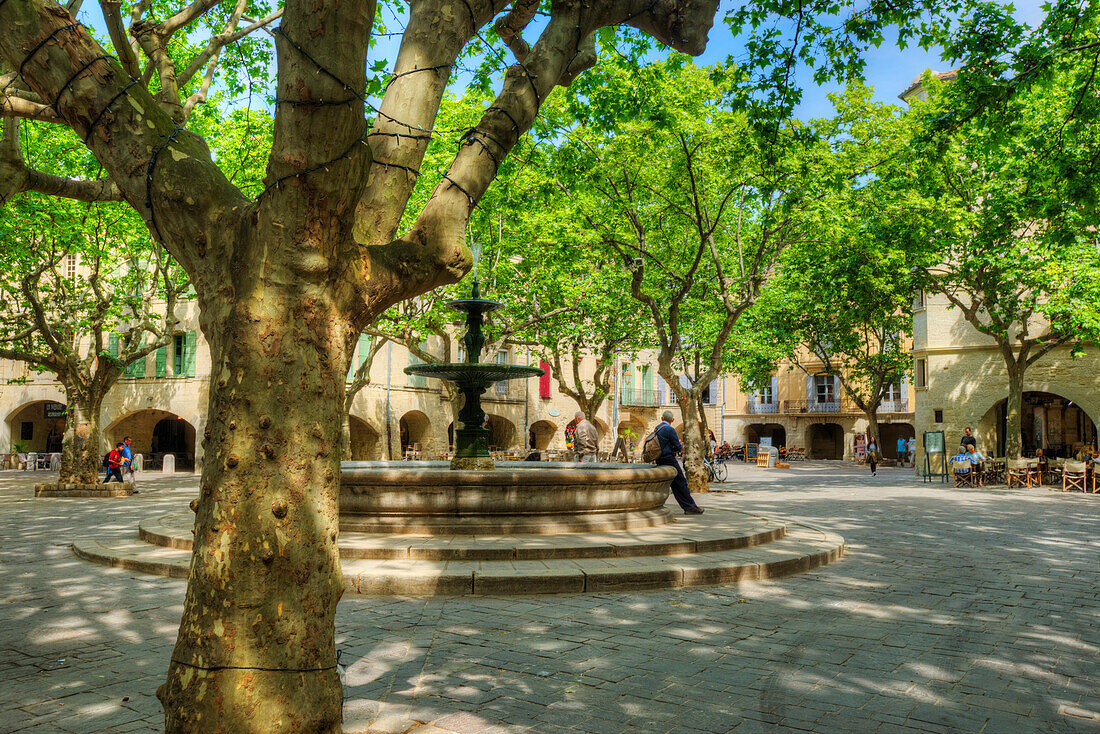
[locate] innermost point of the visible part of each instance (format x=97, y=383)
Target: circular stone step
x=722, y=530
x=704, y=553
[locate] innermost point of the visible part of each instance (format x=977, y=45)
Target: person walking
x=901, y=451
x=127, y=461
x=114, y=464
x=585, y=439
x=670, y=446
x=873, y=457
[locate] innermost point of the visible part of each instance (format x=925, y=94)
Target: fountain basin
x=517, y=497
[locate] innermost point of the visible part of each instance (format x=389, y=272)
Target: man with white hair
x=670, y=446
x=585, y=439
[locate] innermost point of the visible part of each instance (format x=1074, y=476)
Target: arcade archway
x=38, y=426
x=414, y=428
x=777, y=433
x=826, y=441
x=889, y=433
x=366, y=442
x=155, y=433
x=541, y=434
x=1049, y=421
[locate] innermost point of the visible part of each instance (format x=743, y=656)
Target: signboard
x=765, y=440
x=933, y=442
x=935, y=460
x=621, y=449
x=750, y=452
x=53, y=410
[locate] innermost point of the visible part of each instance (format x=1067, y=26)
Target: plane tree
x=85, y=296
x=289, y=276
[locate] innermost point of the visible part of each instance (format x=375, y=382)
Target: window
x=70, y=268
x=919, y=301
x=501, y=388
x=178, y=353
x=765, y=395
x=26, y=431
x=922, y=373
x=823, y=389
x=939, y=415
x=893, y=393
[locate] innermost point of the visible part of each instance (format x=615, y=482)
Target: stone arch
x=541, y=434
x=502, y=432
x=825, y=441
x=415, y=428
x=366, y=441
x=889, y=433
x=155, y=433
x=1051, y=420
x=45, y=433
x=776, y=432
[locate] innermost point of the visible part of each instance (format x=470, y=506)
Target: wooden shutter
x=137, y=369
x=416, y=380
x=112, y=345
x=189, y=340
x=162, y=361
x=544, y=381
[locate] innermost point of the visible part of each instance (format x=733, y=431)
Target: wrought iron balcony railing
x=640, y=398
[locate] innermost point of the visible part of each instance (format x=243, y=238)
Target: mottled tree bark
x=1014, y=411
x=695, y=442
x=80, y=446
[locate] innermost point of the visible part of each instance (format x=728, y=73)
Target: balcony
x=638, y=398
x=813, y=406
x=894, y=406
x=760, y=408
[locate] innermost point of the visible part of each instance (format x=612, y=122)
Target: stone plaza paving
x=953, y=611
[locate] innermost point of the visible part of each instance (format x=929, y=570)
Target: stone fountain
x=472, y=527
x=475, y=495
x=473, y=377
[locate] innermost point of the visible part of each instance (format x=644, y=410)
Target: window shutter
x=162, y=361
x=129, y=369
x=364, y=350
x=137, y=369
x=836, y=388
x=544, y=381
x=189, y=340
x=416, y=380
x=660, y=390
x=112, y=345
x=712, y=397
x=775, y=389
x=810, y=397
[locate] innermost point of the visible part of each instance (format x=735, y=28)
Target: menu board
x=933, y=442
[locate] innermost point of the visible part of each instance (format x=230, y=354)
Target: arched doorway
x=889, y=433
x=502, y=433
x=1049, y=421
x=38, y=427
x=414, y=427
x=155, y=433
x=826, y=441
x=777, y=433
x=541, y=434
x=366, y=442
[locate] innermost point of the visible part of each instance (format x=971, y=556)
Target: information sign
x=53, y=410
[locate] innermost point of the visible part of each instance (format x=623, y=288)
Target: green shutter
x=162, y=361
x=112, y=345
x=364, y=350
x=189, y=353
x=139, y=366
x=416, y=380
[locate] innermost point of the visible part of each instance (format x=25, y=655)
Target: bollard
x=169, y=464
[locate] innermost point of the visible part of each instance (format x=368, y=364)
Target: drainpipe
x=389, y=423
x=527, y=408
x=615, y=402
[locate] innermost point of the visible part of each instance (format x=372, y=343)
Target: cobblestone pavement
x=954, y=610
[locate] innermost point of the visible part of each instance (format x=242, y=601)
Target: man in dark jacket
x=670, y=446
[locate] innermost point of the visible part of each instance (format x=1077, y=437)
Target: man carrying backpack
x=670, y=446
x=114, y=464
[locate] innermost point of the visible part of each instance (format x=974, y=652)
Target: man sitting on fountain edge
x=670, y=446
x=585, y=439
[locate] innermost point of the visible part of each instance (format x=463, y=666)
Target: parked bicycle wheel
x=720, y=471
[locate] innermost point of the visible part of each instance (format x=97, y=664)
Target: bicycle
x=715, y=469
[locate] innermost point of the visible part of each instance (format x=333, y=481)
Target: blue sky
x=889, y=70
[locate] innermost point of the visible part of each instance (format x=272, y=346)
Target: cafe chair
x=965, y=476
x=1019, y=471
x=1073, y=476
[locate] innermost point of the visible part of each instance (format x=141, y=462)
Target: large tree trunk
x=694, y=440
x=80, y=446
x=256, y=650
x=1014, y=409
x=873, y=433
